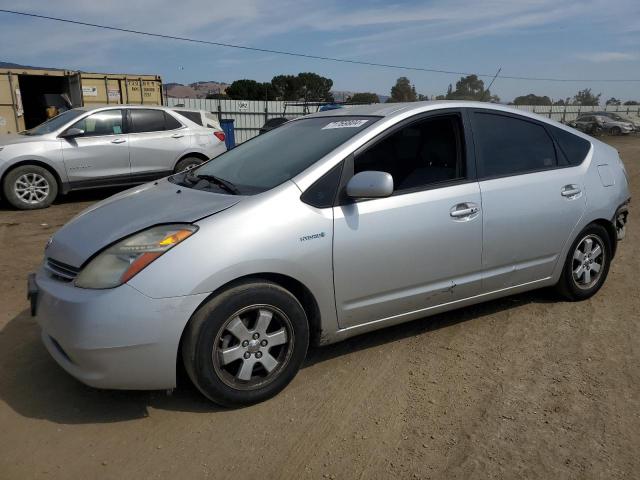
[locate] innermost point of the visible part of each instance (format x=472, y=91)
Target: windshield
x=275, y=157
x=54, y=123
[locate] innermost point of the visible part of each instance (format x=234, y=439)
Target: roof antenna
x=494, y=78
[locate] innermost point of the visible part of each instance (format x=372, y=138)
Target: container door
x=75, y=90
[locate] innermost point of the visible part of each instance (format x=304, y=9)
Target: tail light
x=219, y=135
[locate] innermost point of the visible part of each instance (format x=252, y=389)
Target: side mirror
x=71, y=133
x=370, y=184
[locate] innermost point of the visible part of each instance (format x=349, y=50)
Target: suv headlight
x=120, y=262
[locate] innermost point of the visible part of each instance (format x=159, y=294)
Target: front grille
x=60, y=270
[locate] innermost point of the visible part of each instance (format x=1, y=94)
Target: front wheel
x=29, y=187
x=587, y=264
x=246, y=344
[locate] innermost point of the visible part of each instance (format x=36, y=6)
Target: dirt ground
x=524, y=387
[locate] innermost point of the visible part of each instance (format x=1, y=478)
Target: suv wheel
x=616, y=131
x=246, y=344
x=587, y=264
x=29, y=187
x=188, y=163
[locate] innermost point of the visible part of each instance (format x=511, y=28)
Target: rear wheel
x=587, y=264
x=616, y=131
x=245, y=345
x=188, y=163
x=29, y=187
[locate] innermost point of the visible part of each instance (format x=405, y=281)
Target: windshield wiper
x=221, y=182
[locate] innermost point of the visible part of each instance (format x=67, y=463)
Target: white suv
x=95, y=147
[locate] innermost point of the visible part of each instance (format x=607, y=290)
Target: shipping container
x=29, y=96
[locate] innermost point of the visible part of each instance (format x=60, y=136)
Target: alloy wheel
x=588, y=262
x=31, y=188
x=252, y=347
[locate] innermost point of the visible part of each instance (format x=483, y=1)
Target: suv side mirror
x=72, y=132
x=370, y=184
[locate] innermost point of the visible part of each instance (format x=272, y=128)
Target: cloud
x=600, y=57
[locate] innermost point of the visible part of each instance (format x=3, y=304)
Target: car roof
x=91, y=108
x=399, y=109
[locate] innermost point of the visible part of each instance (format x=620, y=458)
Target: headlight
x=118, y=263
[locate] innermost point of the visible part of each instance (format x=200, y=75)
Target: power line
x=304, y=55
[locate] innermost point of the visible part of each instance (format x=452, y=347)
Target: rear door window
x=147, y=120
x=506, y=145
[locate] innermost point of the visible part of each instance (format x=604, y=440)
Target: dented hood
x=129, y=212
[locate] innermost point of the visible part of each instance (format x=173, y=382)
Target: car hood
x=129, y=212
x=15, y=138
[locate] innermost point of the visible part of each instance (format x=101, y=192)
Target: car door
x=157, y=141
x=100, y=155
x=395, y=257
x=532, y=198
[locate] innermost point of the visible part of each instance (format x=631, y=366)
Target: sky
x=577, y=39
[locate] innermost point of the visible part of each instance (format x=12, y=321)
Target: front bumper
x=117, y=338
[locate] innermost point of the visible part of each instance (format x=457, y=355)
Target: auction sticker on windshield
x=345, y=124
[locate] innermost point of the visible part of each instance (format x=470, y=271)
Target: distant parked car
x=272, y=123
x=594, y=123
x=96, y=147
x=620, y=118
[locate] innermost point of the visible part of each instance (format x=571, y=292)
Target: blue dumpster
x=229, y=133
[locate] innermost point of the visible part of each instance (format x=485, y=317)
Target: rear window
x=573, y=148
x=193, y=116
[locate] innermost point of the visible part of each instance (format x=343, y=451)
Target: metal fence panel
x=250, y=115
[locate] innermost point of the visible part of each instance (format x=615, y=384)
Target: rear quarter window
x=193, y=116
x=573, y=147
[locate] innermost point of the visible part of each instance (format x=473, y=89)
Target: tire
x=187, y=163
x=616, y=131
x=29, y=187
x=580, y=279
x=246, y=322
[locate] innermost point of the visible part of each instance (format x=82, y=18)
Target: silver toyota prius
x=329, y=226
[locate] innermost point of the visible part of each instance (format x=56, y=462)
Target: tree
x=631, y=102
x=471, y=88
x=287, y=87
x=531, y=99
x=364, y=97
x=216, y=96
x=563, y=103
x=250, y=90
x=613, y=101
x=586, y=98
x=422, y=98
x=441, y=97
x=315, y=88
x=403, y=91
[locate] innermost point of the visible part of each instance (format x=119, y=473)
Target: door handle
x=177, y=135
x=571, y=191
x=464, y=211
x=118, y=140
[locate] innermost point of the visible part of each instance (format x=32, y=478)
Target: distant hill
x=17, y=65
x=195, y=90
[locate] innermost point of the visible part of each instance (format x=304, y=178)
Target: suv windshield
x=54, y=123
x=273, y=158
